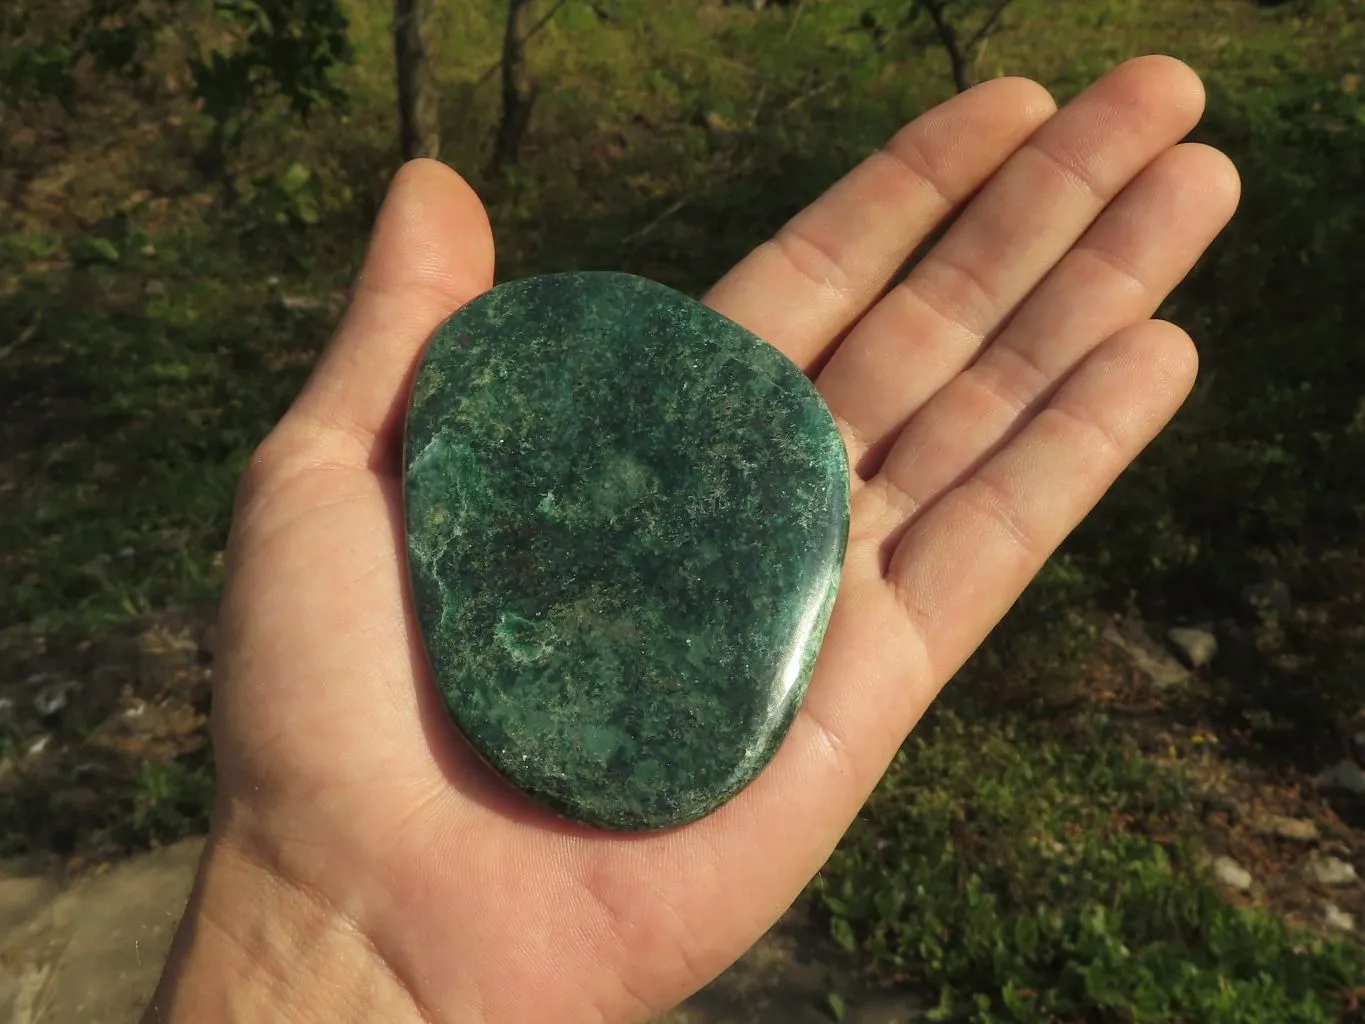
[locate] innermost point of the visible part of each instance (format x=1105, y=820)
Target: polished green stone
x=626, y=517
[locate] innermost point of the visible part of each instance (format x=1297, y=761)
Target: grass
x=1034, y=870
x=134, y=413
x=1023, y=859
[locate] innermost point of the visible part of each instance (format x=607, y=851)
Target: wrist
x=254, y=947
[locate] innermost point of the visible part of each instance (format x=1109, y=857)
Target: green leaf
x=94, y=250
x=836, y=1004
x=294, y=179
x=842, y=932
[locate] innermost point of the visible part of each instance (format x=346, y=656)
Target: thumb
x=430, y=253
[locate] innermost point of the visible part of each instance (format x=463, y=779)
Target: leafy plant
x=249, y=54
x=172, y=800
x=1037, y=871
x=282, y=48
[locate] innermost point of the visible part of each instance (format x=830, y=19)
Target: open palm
x=987, y=402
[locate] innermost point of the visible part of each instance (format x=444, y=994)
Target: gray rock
x=53, y=697
x=1195, y=647
x=1231, y=874
x=1337, y=919
x=1330, y=871
x=93, y=952
x=1149, y=656
x=22, y=897
x=300, y=303
x=1298, y=829
x=1346, y=776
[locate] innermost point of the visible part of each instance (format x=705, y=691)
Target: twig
x=636, y=236
x=796, y=16
x=735, y=174
x=25, y=335
x=522, y=41
x=737, y=65
x=758, y=103
x=986, y=26
x=947, y=34
x=980, y=57
x=809, y=94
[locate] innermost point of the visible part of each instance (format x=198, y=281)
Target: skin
x=363, y=865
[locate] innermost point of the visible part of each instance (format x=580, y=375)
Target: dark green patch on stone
x=626, y=518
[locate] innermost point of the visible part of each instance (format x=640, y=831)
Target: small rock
x=53, y=697
x=300, y=303
x=1148, y=655
x=1231, y=874
x=1270, y=595
x=1337, y=919
x=1298, y=829
x=154, y=289
x=39, y=745
x=1346, y=776
x=1330, y=871
x=1196, y=647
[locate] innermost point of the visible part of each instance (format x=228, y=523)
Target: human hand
x=364, y=865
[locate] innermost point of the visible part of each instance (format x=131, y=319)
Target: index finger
x=807, y=285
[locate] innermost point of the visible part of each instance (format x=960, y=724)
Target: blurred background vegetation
x=185, y=191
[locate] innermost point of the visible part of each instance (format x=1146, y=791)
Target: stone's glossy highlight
x=626, y=518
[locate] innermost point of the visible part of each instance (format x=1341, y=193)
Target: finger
x=802, y=289
x=966, y=560
x=430, y=253
x=893, y=641
x=928, y=328
x=963, y=575
x=1118, y=274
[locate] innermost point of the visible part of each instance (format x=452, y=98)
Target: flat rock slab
x=626, y=518
x=93, y=953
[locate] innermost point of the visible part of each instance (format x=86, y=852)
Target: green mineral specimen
x=626, y=518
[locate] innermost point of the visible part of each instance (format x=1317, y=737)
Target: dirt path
x=91, y=952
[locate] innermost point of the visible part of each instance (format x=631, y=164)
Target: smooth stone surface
x=1195, y=647
x=626, y=518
